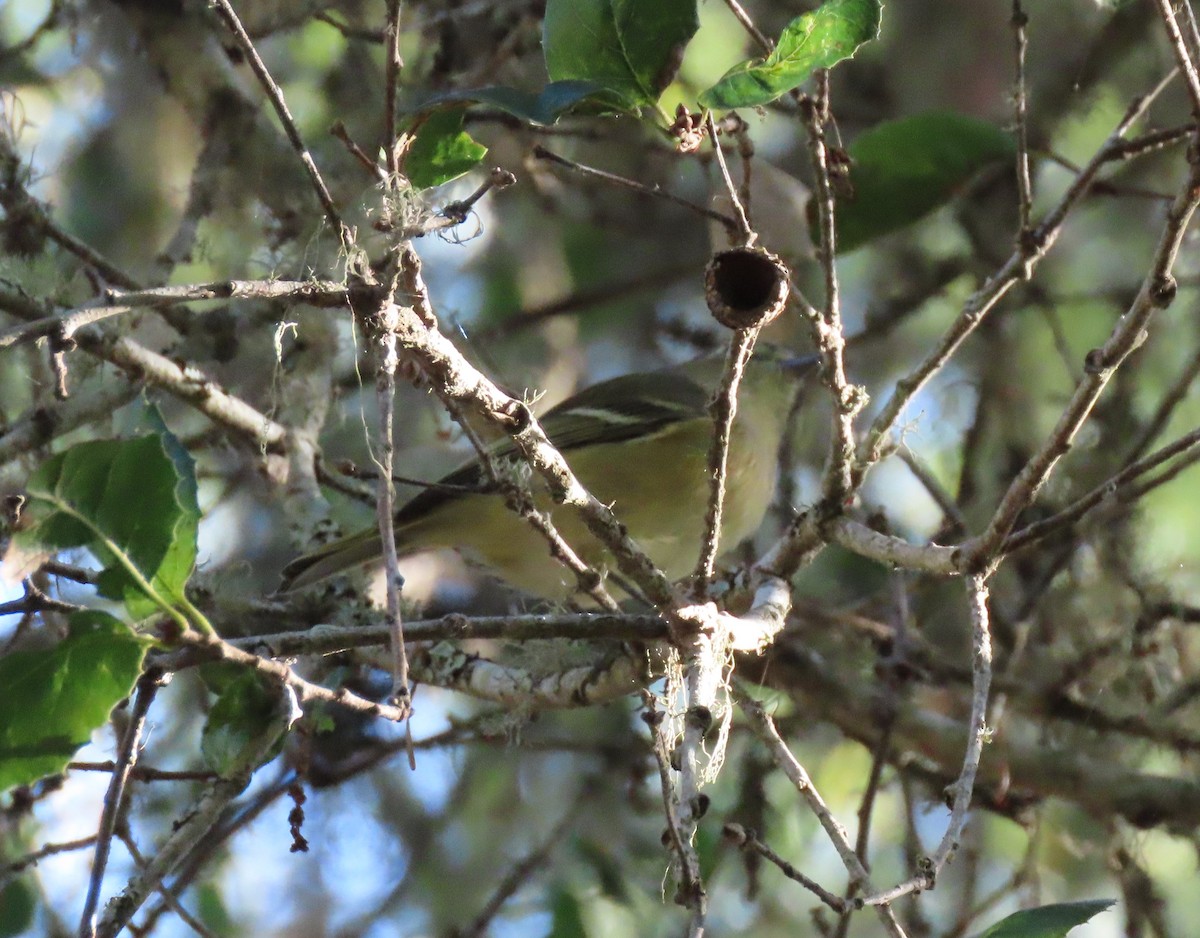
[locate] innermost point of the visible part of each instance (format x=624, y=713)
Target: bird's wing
x=614, y=410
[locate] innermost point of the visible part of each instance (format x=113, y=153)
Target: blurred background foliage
x=132, y=120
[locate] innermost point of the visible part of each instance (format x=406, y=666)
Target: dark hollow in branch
x=745, y=287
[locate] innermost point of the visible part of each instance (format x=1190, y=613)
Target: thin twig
x=118, y=302
x=514, y=321
x=391, y=81
x=47, y=850
x=964, y=786
x=936, y=490
x=745, y=841
x=1174, y=396
x=984, y=299
x=1111, y=489
x=1019, y=22
x=275, y=95
x=691, y=886
x=724, y=410
x=168, y=896
x=731, y=224
x=748, y=235
x=748, y=24
x=764, y=727
x=1157, y=292
x=384, y=324
x=838, y=481
x=213, y=648
x=147, y=689
x=1182, y=57
x=522, y=871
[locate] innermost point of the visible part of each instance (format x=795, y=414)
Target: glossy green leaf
x=630, y=48
x=902, y=170
x=55, y=698
x=132, y=503
x=245, y=724
x=820, y=39
x=1048, y=921
x=442, y=150
x=545, y=107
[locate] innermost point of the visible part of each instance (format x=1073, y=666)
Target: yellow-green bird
x=639, y=443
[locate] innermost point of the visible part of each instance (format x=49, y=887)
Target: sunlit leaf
x=1048, y=921
x=820, y=39
x=442, y=150
x=630, y=48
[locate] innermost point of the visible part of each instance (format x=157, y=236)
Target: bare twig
x=275, y=95
x=748, y=24
x=1182, y=56
x=691, y=887
x=147, y=689
x=391, y=80
x=828, y=336
x=746, y=841
x=46, y=850
x=746, y=233
x=1114, y=488
x=1157, y=292
x=117, y=302
x=724, y=410
x=985, y=298
x=1175, y=395
x=960, y=792
x=213, y=648
x=521, y=872
x=541, y=153
x=383, y=323
x=1019, y=22
x=764, y=727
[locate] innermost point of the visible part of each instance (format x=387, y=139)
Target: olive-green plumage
x=639, y=443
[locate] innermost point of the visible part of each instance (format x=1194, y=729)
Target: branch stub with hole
x=745, y=287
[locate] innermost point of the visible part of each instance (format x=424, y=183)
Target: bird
x=639, y=443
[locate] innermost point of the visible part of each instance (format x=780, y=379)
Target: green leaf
x=17, y=903
x=132, y=503
x=630, y=48
x=55, y=698
x=1048, y=921
x=442, y=150
x=246, y=725
x=211, y=908
x=544, y=107
x=819, y=39
x=902, y=170
x=566, y=913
